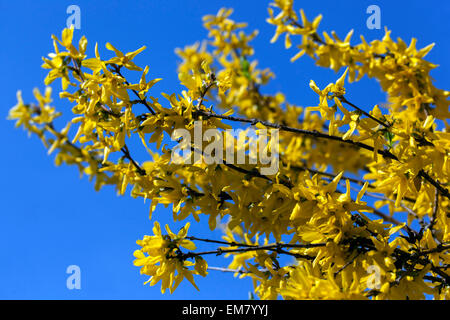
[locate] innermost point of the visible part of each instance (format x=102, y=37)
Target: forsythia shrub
x=306, y=210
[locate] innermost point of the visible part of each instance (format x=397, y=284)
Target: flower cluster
x=164, y=260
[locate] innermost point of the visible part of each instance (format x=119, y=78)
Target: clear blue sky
x=50, y=218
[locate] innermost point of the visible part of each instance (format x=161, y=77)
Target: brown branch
x=238, y=244
x=344, y=100
x=219, y=252
x=282, y=127
x=205, y=91
x=385, y=153
x=436, y=184
x=116, y=69
x=433, y=219
x=127, y=155
x=347, y=264
x=439, y=248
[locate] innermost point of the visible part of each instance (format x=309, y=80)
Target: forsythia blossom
x=163, y=258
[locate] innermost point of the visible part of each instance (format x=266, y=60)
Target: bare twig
x=435, y=210
x=127, y=155
x=344, y=100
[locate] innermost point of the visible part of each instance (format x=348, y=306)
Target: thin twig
x=127, y=155
x=282, y=127
x=344, y=100
x=439, y=248
x=347, y=264
x=433, y=219
x=218, y=252
x=143, y=101
x=239, y=244
x=436, y=184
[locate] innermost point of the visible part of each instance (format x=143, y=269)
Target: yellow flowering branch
x=401, y=156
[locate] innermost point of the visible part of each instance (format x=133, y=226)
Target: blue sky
x=50, y=218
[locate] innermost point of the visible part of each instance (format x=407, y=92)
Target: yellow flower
x=124, y=59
